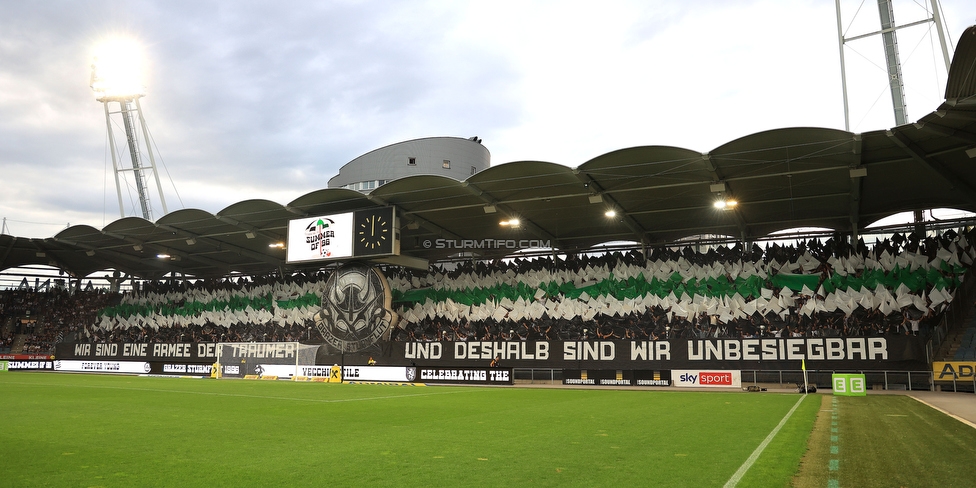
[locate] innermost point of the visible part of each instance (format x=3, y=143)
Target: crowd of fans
x=200, y=310
x=812, y=312
x=44, y=318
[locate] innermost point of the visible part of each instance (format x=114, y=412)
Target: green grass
x=92, y=430
x=889, y=440
x=87, y=430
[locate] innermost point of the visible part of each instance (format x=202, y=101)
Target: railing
x=876, y=380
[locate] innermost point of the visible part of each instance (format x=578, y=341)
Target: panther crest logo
x=356, y=308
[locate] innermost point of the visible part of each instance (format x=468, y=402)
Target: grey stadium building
x=453, y=157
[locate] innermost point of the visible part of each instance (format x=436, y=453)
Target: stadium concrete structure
x=783, y=178
x=451, y=157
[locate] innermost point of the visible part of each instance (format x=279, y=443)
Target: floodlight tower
x=116, y=79
x=889, y=37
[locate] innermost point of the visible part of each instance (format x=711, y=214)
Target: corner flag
x=803, y=366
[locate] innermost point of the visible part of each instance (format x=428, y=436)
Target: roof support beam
x=951, y=179
x=53, y=260
x=420, y=220
x=224, y=245
x=641, y=188
x=629, y=221
x=523, y=222
x=6, y=252
x=248, y=228
x=717, y=178
x=118, y=257
x=223, y=267
x=957, y=134
x=856, y=179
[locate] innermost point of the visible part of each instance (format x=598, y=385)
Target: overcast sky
x=268, y=99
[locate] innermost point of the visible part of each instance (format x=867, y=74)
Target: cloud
x=268, y=100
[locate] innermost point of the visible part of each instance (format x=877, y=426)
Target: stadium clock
x=373, y=232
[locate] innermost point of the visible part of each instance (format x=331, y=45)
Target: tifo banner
x=894, y=352
x=864, y=353
x=849, y=384
x=953, y=370
x=205, y=352
x=706, y=378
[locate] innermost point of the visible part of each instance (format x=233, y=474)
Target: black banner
x=127, y=351
x=894, y=352
x=30, y=364
x=480, y=376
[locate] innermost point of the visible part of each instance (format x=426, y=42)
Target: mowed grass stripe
x=131, y=431
x=242, y=395
x=887, y=440
x=893, y=440
x=739, y=473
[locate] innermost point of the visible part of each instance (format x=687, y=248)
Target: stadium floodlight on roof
x=116, y=77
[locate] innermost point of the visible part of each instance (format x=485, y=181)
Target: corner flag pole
x=803, y=366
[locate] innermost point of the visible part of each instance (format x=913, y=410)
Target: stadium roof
x=781, y=179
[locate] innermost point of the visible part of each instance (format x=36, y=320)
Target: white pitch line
x=734, y=480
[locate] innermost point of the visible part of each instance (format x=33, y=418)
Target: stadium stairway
x=18, y=346
x=963, y=348
x=960, y=340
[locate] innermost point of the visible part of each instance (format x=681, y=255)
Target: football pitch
x=100, y=430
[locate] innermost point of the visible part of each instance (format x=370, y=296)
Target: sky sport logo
x=715, y=378
x=487, y=244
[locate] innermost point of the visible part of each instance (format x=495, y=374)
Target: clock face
x=373, y=232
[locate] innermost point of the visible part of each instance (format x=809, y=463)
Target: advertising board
x=953, y=370
x=483, y=376
x=706, y=378
x=848, y=384
x=128, y=367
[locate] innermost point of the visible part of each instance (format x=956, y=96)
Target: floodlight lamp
x=250, y=235
x=610, y=213
x=117, y=70
x=278, y=245
x=510, y=223
x=725, y=204
x=163, y=256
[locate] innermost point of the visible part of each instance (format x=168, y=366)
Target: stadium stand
x=898, y=286
x=966, y=350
